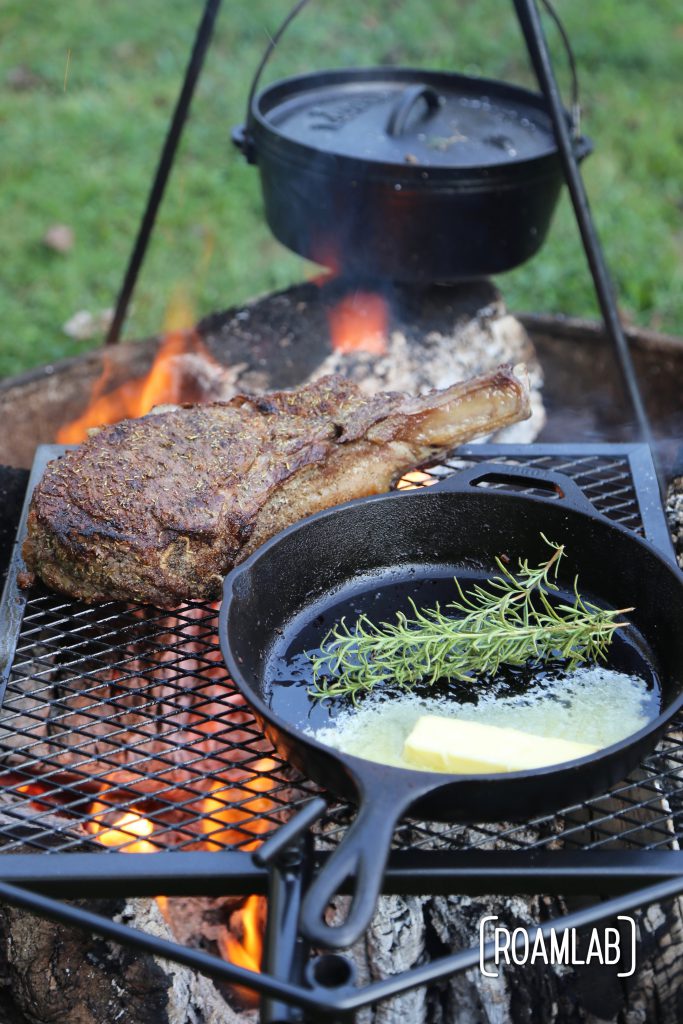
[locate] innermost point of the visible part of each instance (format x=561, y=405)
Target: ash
x=674, y=514
x=416, y=362
x=435, y=337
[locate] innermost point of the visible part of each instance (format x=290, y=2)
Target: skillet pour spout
x=455, y=528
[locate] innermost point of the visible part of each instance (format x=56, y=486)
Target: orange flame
x=35, y=790
x=163, y=384
x=415, y=478
x=249, y=951
x=126, y=830
x=359, y=323
x=229, y=815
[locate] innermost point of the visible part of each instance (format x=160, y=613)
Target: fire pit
x=127, y=737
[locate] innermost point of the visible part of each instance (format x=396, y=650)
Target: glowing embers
x=230, y=812
x=127, y=832
x=414, y=479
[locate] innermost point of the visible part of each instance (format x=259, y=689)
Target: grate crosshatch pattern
x=120, y=728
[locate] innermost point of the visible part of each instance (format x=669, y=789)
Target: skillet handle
x=558, y=486
x=361, y=856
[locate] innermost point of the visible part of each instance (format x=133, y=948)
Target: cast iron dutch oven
x=288, y=593
x=403, y=173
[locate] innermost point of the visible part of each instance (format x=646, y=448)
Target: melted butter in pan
x=594, y=705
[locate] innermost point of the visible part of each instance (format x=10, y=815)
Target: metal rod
x=191, y=873
x=285, y=952
x=532, y=28
x=473, y=873
x=320, y=1000
x=414, y=872
x=175, y=130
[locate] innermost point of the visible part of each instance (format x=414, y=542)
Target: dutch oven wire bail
x=406, y=173
x=241, y=136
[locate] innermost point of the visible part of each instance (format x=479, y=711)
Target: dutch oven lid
x=405, y=116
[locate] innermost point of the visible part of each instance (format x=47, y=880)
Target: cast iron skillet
x=376, y=544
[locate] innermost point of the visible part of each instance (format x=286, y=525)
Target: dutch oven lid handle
x=557, y=486
x=405, y=104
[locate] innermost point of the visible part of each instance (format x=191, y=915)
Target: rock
x=84, y=325
x=59, y=238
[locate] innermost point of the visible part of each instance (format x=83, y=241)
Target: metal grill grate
x=121, y=728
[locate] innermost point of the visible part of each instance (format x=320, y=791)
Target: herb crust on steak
x=159, y=509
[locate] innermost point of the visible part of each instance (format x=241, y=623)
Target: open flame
x=359, y=323
x=123, y=829
x=227, y=814
x=249, y=951
x=169, y=381
x=359, y=320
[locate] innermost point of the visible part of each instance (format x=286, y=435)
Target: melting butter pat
x=457, y=746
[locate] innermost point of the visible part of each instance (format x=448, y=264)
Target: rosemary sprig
x=510, y=621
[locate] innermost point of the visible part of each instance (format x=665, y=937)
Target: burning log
x=408, y=931
x=54, y=973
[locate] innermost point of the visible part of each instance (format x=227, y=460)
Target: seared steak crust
x=158, y=509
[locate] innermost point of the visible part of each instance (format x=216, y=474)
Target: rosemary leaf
x=510, y=621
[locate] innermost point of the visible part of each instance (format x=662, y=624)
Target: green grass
x=84, y=155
